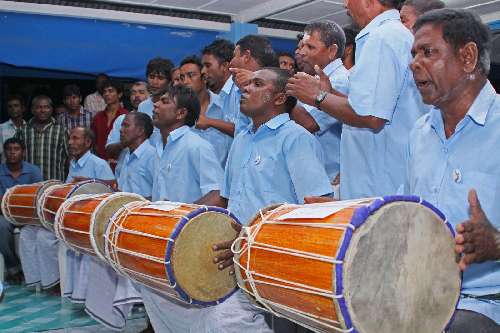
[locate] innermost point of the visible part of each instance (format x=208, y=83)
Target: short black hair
x=350, y=32
x=222, y=49
x=285, y=54
x=192, y=59
x=423, y=6
x=104, y=75
x=70, y=90
x=12, y=141
x=396, y=4
x=144, y=121
x=113, y=84
x=186, y=98
x=161, y=66
x=16, y=97
x=459, y=28
x=260, y=49
x=329, y=33
x=280, y=82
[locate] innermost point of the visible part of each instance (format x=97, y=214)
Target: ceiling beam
x=266, y=9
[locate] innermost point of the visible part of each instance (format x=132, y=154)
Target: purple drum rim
x=359, y=217
x=170, y=247
x=85, y=182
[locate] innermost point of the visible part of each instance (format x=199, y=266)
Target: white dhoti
x=109, y=297
x=236, y=314
x=39, y=256
x=76, y=280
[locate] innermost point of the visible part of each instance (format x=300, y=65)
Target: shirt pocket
x=485, y=185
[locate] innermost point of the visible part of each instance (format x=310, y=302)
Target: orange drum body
x=19, y=203
x=168, y=247
x=82, y=219
x=370, y=266
x=54, y=196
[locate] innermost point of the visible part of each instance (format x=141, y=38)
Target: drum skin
x=353, y=270
x=81, y=219
x=171, y=251
x=19, y=203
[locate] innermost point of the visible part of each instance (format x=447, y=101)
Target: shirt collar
x=51, y=122
x=226, y=89
x=177, y=133
x=391, y=14
x=273, y=123
x=333, y=66
x=4, y=170
x=141, y=149
x=214, y=99
x=82, y=160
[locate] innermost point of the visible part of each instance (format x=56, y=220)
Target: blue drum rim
x=170, y=247
x=359, y=217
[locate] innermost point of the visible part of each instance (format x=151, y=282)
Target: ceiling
x=295, y=11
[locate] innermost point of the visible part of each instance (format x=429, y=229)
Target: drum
x=19, y=202
x=54, y=196
x=81, y=220
x=167, y=246
x=369, y=265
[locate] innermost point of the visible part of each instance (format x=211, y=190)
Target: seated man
x=454, y=148
x=13, y=172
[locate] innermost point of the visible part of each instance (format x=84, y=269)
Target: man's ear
x=332, y=52
x=469, y=56
x=181, y=113
x=280, y=99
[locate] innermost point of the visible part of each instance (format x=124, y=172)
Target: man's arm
x=225, y=127
x=304, y=119
x=212, y=198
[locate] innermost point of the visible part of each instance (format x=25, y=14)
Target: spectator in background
x=46, y=140
x=412, y=9
x=14, y=172
x=350, y=31
x=138, y=94
x=59, y=109
x=103, y=120
x=76, y=115
x=298, y=57
x=95, y=102
x=15, y=109
x=176, y=76
x=287, y=62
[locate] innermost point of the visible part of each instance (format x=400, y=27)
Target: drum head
x=92, y=187
x=192, y=258
x=103, y=213
x=400, y=273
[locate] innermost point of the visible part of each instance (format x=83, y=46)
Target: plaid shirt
x=94, y=103
x=47, y=148
x=84, y=119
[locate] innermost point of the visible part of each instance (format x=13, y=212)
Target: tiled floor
x=24, y=310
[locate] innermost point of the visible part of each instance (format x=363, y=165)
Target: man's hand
x=311, y=200
x=305, y=87
x=77, y=179
x=476, y=240
x=241, y=77
x=224, y=256
x=203, y=122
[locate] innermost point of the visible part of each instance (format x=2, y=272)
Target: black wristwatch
x=319, y=99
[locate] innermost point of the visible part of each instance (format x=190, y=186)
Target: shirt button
x=444, y=150
x=435, y=189
x=457, y=176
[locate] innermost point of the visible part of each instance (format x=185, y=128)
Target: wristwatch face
x=321, y=96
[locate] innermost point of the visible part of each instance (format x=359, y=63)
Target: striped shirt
x=47, y=148
x=84, y=119
x=94, y=103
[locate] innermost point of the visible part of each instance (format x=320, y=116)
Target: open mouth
x=422, y=84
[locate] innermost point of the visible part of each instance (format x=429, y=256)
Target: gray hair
x=37, y=99
x=423, y=6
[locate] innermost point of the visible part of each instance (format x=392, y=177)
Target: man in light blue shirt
x=135, y=170
x=323, y=45
x=158, y=74
x=211, y=125
x=381, y=108
x=454, y=148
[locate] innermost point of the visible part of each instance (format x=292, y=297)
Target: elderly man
x=138, y=94
x=454, y=148
x=412, y=9
x=381, y=107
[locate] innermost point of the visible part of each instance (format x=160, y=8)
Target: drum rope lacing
x=251, y=233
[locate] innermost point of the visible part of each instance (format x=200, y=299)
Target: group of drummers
x=416, y=115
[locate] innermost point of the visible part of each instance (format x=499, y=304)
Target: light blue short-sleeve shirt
x=188, y=168
x=135, y=171
x=330, y=129
x=442, y=171
x=219, y=140
x=89, y=166
x=380, y=85
x=280, y=162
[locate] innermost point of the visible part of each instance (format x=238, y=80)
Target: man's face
x=191, y=77
x=238, y=60
x=298, y=56
x=408, y=16
x=156, y=82
x=314, y=52
x=77, y=143
x=138, y=93
x=73, y=102
x=287, y=63
x=15, y=109
x=437, y=71
x=358, y=11
x=213, y=71
x=165, y=112
x=176, y=77
x=258, y=96
x=14, y=153
x=111, y=95
x=129, y=132
x=42, y=111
